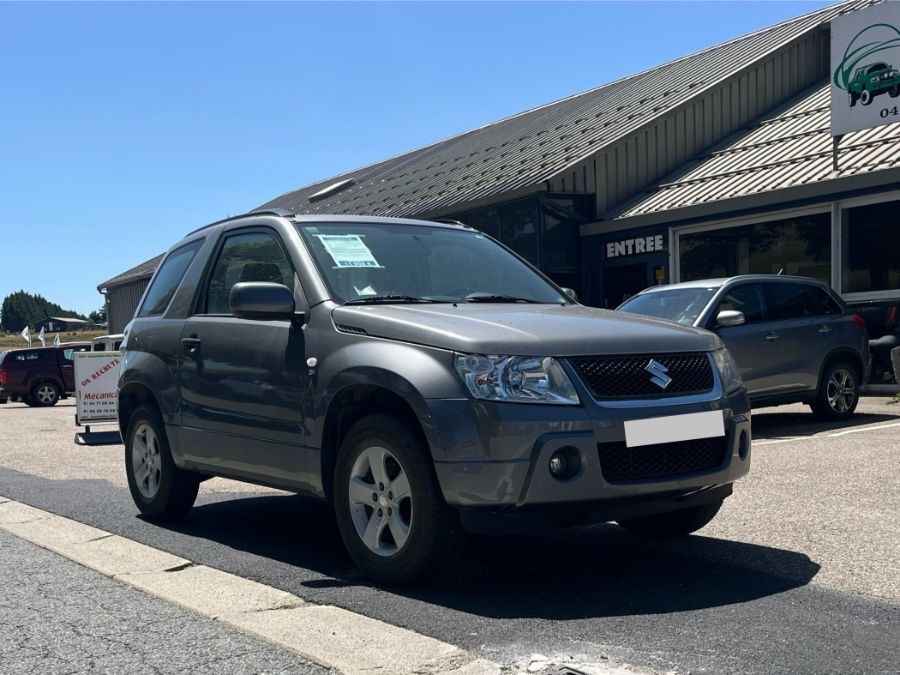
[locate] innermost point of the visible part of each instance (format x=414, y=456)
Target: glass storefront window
x=800, y=246
x=519, y=228
x=870, y=241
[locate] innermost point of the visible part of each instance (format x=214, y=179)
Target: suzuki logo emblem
x=658, y=371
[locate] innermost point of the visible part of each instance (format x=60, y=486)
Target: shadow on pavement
x=589, y=572
x=768, y=425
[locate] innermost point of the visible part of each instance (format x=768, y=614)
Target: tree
x=98, y=315
x=22, y=309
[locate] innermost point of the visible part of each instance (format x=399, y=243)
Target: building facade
x=714, y=164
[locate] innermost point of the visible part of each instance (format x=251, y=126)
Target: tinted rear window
x=168, y=278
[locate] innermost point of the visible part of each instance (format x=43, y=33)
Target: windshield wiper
x=498, y=298
x=386, y=299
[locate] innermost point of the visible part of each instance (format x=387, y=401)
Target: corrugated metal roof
x=143, y=271
x=529, y=148
x=789, y=147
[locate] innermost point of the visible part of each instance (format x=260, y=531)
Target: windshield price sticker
x=348, y=250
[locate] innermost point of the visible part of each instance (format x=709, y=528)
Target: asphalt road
x=797, y=574
x=58, y=617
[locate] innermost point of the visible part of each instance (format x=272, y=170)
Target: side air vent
x=344, y=328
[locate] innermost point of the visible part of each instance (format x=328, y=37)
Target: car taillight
x=859, y=322
x=2, y=376
x=891, y=318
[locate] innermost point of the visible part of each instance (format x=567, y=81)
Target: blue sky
x=124, y=126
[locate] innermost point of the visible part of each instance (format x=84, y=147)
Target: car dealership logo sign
x=865, y=68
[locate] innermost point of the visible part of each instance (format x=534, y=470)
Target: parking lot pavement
x=58, y=617
x=797, y=574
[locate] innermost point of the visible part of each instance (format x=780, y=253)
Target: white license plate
x=674, y=428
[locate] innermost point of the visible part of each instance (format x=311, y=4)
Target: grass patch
x=17, y=342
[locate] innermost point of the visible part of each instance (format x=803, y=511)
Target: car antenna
x=780, y=272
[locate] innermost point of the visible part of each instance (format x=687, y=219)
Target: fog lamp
x=558, y=464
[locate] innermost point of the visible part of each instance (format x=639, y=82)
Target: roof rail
x=283, y=213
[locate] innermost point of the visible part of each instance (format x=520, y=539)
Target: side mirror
x=730, y=317
x=571, y=294
x=261, y=300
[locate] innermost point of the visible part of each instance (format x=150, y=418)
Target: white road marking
x=333, y=637
x=856, y=431
x=821, y=435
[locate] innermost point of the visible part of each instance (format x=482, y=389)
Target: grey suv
x=423, y=379
x=793, y=338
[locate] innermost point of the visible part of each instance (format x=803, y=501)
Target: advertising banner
x=865, y=68
x=96, y=378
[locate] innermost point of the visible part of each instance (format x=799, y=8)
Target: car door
x=67, y=364
x=798, y=316
x=243, y=381
x=755, y=349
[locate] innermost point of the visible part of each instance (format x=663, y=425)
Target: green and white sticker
x=348, y=250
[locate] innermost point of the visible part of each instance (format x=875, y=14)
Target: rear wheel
x=44, y=394
x=853, y=98
x=389, y=507
x=675, y=523
x=160, y=489
x=838, y=392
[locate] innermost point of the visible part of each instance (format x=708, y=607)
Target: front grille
x=627, y=377
x=621, y=464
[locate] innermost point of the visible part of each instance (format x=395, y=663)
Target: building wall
x=122, y=303
x=618, y=172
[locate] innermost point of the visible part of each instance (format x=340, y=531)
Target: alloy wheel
x=841, y=390
x=380, y=501
x=145, y=461
x=46, y=394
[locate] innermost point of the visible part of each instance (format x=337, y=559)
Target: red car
x=40, y=376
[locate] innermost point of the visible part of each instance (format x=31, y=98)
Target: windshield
x=683, y=305
x=386, y=262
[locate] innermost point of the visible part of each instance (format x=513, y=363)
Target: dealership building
x=719, y=163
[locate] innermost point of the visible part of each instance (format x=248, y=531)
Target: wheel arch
x=131, y=397
x=842, y=354
x=359, y=398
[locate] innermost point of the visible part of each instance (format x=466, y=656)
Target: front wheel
x=160, y=489
x=838, y=392
x=865, y=97
x=389, y=507
x=675, y=523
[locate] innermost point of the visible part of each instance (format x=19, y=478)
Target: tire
x=865, y=97
x=675, y=523
x=44, y=394
x=853, y=98
x=164, y=492
x=394, y=521
x=894, y=91
x=838, y=392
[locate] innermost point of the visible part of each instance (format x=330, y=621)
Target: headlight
x=519, y=379
x=728, y=371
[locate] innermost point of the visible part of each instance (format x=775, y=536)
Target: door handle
x=771, y=337
x=825, y=329
x=191, y=344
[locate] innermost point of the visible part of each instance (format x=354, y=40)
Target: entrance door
x=623, y=281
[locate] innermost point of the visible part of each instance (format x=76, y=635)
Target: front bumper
x=494, y=458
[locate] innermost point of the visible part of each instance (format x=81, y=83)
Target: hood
x=525, y=330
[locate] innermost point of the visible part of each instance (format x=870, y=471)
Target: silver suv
x=425, y=381
x=793, y=338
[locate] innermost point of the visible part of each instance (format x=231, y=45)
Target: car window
x=252, y=256
x=36, y=355
x=683, y=305
x=747, y=298
x=791, y=301
x=168, y=278
x=825, y=304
